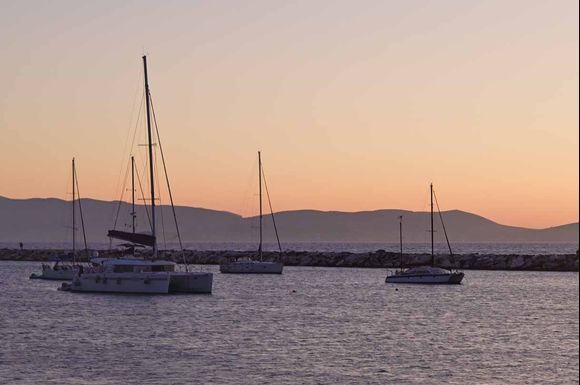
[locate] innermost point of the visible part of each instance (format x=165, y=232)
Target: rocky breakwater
x=377, y=259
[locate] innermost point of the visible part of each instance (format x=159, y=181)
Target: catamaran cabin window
x=123, y=269
x=162, y=268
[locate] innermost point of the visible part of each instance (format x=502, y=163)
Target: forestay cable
x=271, y=211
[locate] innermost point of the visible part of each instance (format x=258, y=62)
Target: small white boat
x=137, y=276
x=258, y=265
x=431, y=275
x=251, y=267
x=58, y=272
x=66, y=266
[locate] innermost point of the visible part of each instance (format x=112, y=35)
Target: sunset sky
x=355, y=105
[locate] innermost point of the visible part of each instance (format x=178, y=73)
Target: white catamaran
x=139, y=275
x=251, y=265
x=426, y=274
x=66, y=266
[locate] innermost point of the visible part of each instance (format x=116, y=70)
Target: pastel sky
x=355, y=105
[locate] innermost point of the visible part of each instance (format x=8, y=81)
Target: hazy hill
x=49, y=220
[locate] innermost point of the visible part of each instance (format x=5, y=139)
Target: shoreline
x=376, y=259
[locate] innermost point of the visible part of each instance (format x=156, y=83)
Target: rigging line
x=120, y=199
x=443, y=224
x=129, y=131
x=271, y=210
x=65, y=215
x=249, y=204
x=126, y=169
x=81, y=212
x=168, y=185
x=143, y=195
x=247, y=199
x=135, y=130
x=119, y=206
x=425, y=223
x=160, y=206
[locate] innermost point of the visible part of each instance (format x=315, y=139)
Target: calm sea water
x=307, y=326
x=458, y=248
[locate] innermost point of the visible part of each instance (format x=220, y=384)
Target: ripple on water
x=310, y=325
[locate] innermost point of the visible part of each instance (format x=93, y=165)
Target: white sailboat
x=139, y=275
x=60, y=271
x=66, y=266
x=432, y=274
x=258, y=265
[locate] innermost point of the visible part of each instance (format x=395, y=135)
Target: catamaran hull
x=161, y=283
x=251, y=268
x=197, y=282
x=434, y=279
x=121, y=283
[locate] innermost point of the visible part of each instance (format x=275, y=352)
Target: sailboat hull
x=61, y=273
x=427, y=279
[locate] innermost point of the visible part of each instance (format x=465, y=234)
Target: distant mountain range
x=49, y=220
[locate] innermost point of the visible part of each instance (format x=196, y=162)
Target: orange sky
x=355, y=105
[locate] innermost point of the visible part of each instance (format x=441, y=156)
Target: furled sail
x=141, y=239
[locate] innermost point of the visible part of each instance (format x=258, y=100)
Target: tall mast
x=401, y=239
x=151, y=176
x=260, y=192
x=133, y=191
x=432, y=230
x=73, y=210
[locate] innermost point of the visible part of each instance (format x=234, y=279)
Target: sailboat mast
x=150, y=143
x=432, y=230
x=260, y=193
x=73, y=210
x=401, y=239
x=133, y=191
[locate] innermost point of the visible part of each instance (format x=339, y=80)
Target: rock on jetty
x=377, y=259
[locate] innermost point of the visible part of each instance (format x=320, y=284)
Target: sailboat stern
x=456, y=278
